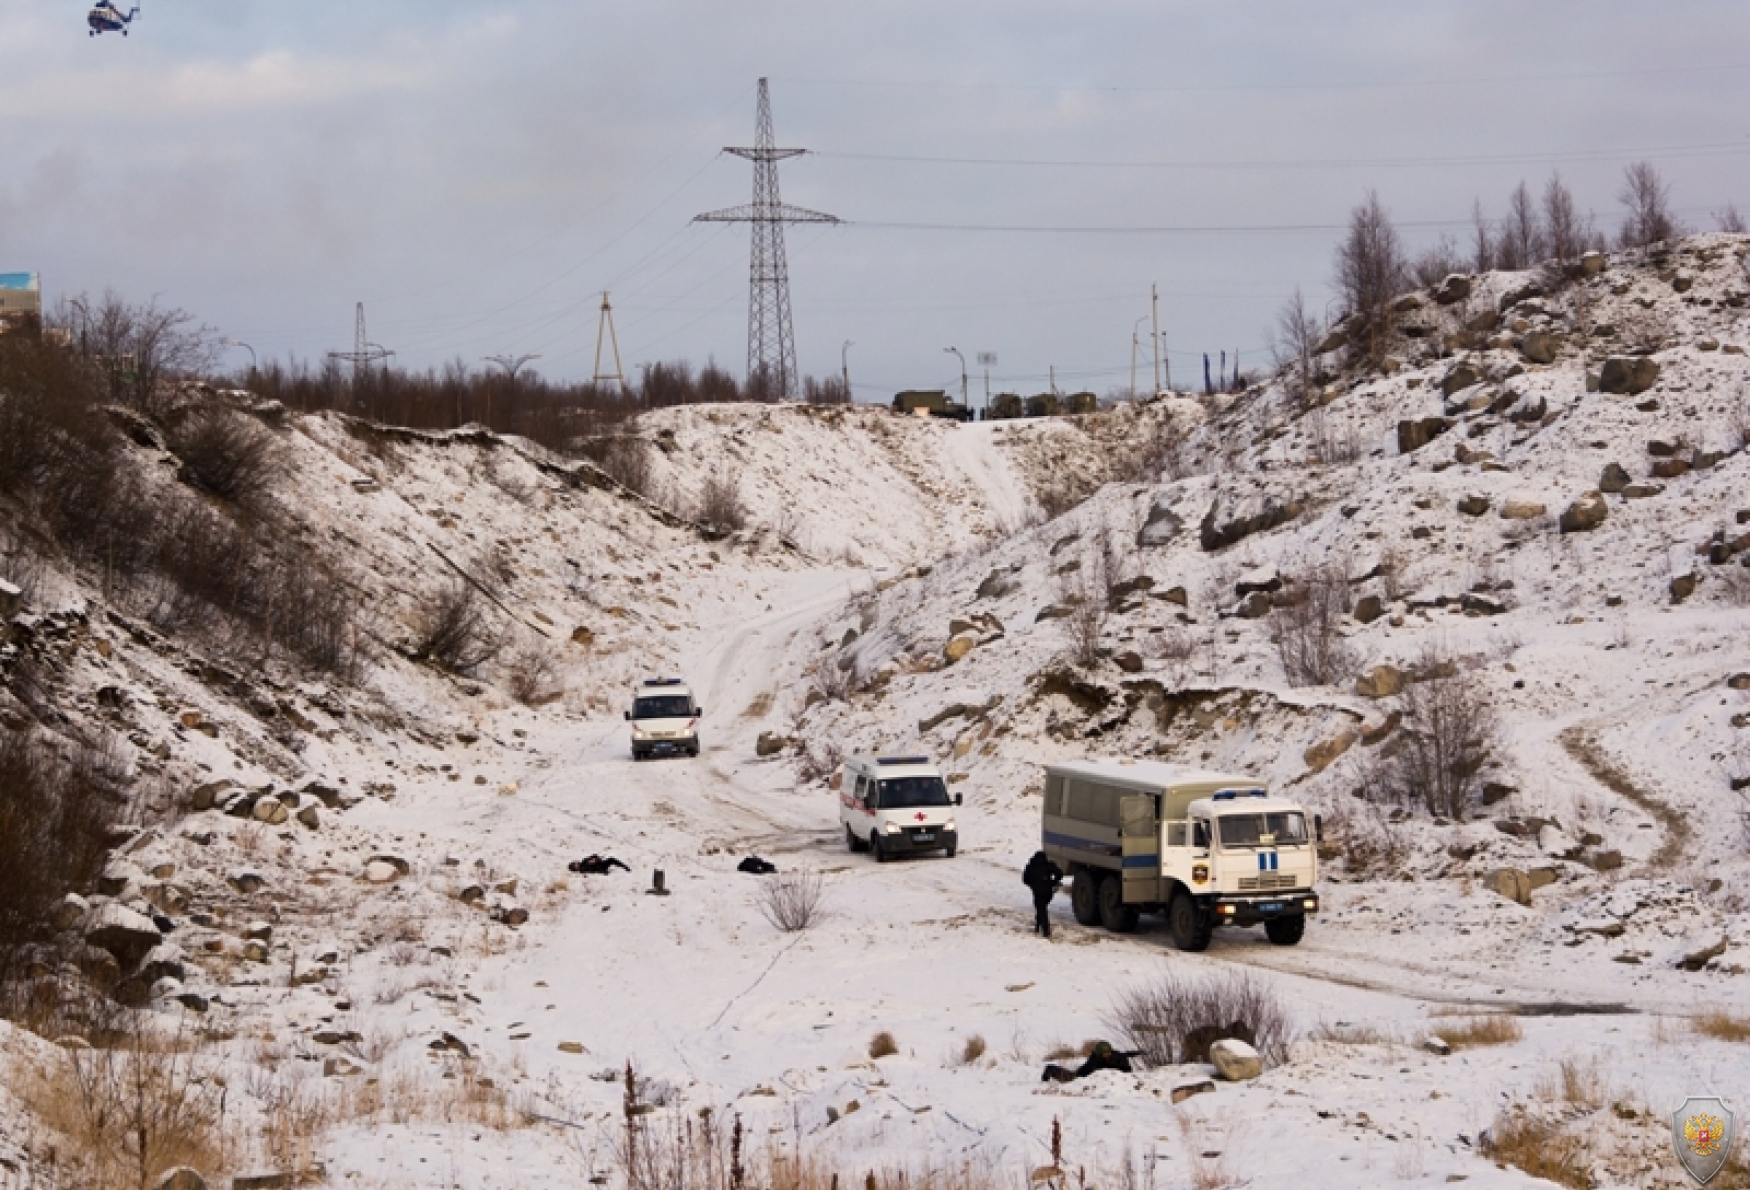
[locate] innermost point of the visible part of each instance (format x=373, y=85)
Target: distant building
x=21, y=299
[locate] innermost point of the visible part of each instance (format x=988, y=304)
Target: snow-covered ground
x=869, y=537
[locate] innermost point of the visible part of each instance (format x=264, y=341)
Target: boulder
x=1591, y=263
x=381, y=872
x=957, y=648
x=1641, y=491
x=1628, y=375
x=1254, y=606
x=1460, y=376
x=70, y=912
x=1129, y=661
x=1233, y=517
x=1182, y=1093
x=1552, y=840
x=1585, y=513
x=1415, y=433
x=1235, y=1061
x=1518, y=508
x=1162, y=526
x=182, y=1178
x=1670, y=468
x=1614, y=479
x=1683, y=586
x=1175, y=595
x=1335, y=339
x=770, y=743
x=1382, y=681
x=1510, y=883
x=1455, y=288
x=1473, y=505
x=1538, y=346
x=247, y=881
x=309, y=816
x=1738, y=682
x=1319, y=757
x=1369, y=608
x=271, y=811
x=127, y=935
x=1438, y=1046
x=203, y=796
x=120, y=879
x=1696, y=960
x=996, y=584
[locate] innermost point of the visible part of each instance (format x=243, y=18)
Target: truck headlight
x=1225, y=909
x=949, y=825
x=1309, y=903
x=638, y=733
x=892, y=828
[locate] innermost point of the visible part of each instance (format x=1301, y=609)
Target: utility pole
x=845, y=367
x=1154, y=308
x=604, y=328
x=771, y=341
x=987, y=360
x=1135, y=346
x=512, y=364
x=364, y=353
x=962, y=360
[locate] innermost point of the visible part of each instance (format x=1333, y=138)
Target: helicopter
x=107, y=18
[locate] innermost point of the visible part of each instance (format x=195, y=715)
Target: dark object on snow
x=658, y=884
x=1042, y=877
x=164, y=924
x=757, y=866
x=1103, y=1057
x=596, y=865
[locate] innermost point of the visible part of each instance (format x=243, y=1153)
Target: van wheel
x=950, y=850
x=881, y=855
x=1286, y=931
x=851, y=840
x=1084, y=897
x=1190, y=924
x=1115, y=915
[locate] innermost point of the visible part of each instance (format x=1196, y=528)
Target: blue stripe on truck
x=1076, y=843
x=1142, y=861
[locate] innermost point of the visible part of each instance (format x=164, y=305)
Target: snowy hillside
x=378, y=947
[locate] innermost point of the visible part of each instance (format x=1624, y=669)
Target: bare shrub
x=627, y=462
x=1520, y=241
x=1062, y=491
x=225, y=453
x=529, y=673
x=1085, y=623
x=130, y=1108
x=1472, y=1032
x=882, y=1045
x=1729, y=220
x=1369, y=844
x=1176, y=649
x=1298, y=331
x=791, y=900
x=825, y=676
x=1438, y=262
x=1308, y=617
x=1334, y=446
x=1567, y=232
x=1646, y=200
x=1449, y=735
x=312, y=612
x=452, y=632
x=720, y=503
x=1156, y=1017
x=56, y=798
x=819, y=759
x=136, y=351
x=1370, y=273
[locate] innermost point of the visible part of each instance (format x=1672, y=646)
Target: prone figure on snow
x=595, y=865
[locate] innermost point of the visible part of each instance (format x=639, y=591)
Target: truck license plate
x=1270, y=907
x=924, y=836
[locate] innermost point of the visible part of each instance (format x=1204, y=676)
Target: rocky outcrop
x=1415, y=433
x=1233, y=518
x=121, y=932
x=1628, y=375
x=1382, y=681
x=1585, y=513
x=1162, y=526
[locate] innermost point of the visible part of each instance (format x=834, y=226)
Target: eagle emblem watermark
x=1702, y=1130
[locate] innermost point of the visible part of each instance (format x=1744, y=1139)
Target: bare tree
x=1449, y=736
x=1520, y=242
x=1439, y=261
x=135, y=350
x=1482, y=240
x=1298, y=331
x=1730, y=220
x=1370, y=273
x=1647, y=199
x=1567, y=232
x=1308, y=619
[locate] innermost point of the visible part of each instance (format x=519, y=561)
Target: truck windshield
x=1249, y=830
x=663, y=706
x=898, y=793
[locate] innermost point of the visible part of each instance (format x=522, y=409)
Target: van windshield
x=1286, y=829
x=898, y=793
x=663, y=706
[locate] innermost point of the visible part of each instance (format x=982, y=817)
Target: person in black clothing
x=596, y=865
x=1042, y=877
x=1101, y=1057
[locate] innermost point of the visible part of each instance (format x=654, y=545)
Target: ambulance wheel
x=1084, y=897
x=1190, y=924
x=1115, y=915
x=851, y=840
x=1286, y=931
x=950, y=850
x=881, y=855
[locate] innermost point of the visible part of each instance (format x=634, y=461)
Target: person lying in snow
x=595, y=865
x=1102, y=1057
x=757, y=866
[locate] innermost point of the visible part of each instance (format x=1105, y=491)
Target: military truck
x=934, y=401
x=1004, y=406
x=1204, y=848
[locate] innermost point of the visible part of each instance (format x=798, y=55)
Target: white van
x=895, y=805
x=664, y=718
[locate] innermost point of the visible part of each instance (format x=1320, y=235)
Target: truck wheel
x=852, y=843
x=881, y=855
x=1191, y=925
x=1115, y=915
x=1084, y=897
x=949, y=850
x=1286, y=931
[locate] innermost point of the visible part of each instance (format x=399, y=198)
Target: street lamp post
x=962, y=360
x=845, y=367
x=246, y=347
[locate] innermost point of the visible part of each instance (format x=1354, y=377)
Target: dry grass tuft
x=882, y=1045
x=1542, y=1148
x=971, y=1051
x=1722, y=1026
x=1472, y=1032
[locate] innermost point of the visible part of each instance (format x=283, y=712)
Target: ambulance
x=664, y=718
x=896, y=805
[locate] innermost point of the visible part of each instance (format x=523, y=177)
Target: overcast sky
x=477, y=173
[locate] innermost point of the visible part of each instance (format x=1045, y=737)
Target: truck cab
x=896, y=805
x=1204, y=848
x=664, y=718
